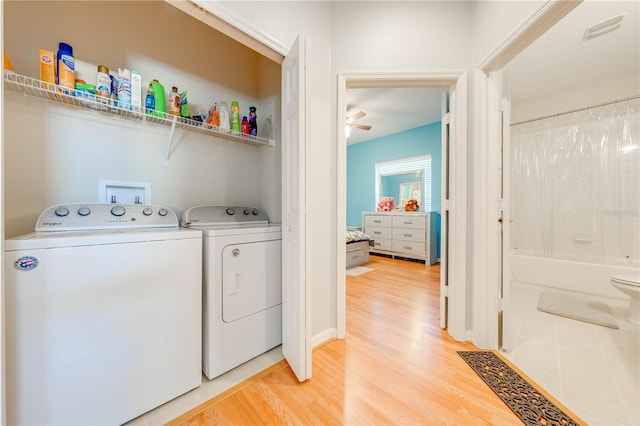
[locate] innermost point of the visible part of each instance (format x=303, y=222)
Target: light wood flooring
x=395, y=366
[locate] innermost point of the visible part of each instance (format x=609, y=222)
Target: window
x=407, y=172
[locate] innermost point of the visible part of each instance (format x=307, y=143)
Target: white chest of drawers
x=403, y=234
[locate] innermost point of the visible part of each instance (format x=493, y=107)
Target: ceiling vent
x=602, y=28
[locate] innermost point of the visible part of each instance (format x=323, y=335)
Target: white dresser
x=403, y=234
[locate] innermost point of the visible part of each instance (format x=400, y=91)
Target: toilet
x=630, y=285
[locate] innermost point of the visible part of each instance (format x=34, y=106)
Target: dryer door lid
x=251, y=278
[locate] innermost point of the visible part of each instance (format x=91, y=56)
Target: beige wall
x=55, y=154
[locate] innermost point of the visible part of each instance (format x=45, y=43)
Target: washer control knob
x=84, y=211
x=246, y=212
x=147, y=211
x=230, y=211
x=62, y=211
x=255, y=212
x=163, y=212
x=118, y=211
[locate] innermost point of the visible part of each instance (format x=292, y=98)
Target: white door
x=296, y=294
x=444, y=215
x=505, y=321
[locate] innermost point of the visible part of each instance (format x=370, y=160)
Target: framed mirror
x=402, y=187
x=405, y=179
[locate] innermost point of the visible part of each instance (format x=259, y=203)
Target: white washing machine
x=242, y=284
x=103, y=319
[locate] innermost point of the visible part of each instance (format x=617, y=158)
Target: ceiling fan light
x=347, y=131
x=603, y=27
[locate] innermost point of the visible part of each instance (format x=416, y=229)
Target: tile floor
x=208, y=390
x=593, y=370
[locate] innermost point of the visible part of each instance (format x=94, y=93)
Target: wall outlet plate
x=123, y=192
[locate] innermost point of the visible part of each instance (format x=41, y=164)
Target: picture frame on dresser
x=411, y=235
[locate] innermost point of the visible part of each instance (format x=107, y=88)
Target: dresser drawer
x=409, y=247
x=377, y=220
x=375, y=232
x=408, y=234
x=416, y=222
x=382, y=244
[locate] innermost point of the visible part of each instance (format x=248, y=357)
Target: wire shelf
x=40, y=89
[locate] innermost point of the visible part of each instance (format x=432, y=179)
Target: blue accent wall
x=361, y=167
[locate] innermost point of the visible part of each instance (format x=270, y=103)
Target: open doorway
x=453, y=126
x=553, y=364
x=393, y=154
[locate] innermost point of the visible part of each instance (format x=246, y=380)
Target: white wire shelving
x=40, y=89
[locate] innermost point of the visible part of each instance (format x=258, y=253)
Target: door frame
x=222, y=19
x=490, y=263
x=458, y=201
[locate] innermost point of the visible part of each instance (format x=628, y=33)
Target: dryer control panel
x=223, y=215
x=99, y=216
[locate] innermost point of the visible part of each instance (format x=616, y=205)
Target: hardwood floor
x=395, y=366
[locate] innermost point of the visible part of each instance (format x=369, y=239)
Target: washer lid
x=223, y=215
x=259, y=231
x=49, y=240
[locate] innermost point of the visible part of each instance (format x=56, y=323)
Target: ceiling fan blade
x=360, y=126
x=357, y=116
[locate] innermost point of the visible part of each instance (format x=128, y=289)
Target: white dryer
x=242, y=284
x=103, y=319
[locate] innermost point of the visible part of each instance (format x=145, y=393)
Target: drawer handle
x=377, y=232
x=408, y=248
x=408, y=235
x=408, y=222
x=355, y=257
x=377, y=221
x=377, y=244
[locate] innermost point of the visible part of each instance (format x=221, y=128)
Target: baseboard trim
x=324, y=336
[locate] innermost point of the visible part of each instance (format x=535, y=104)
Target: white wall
x=56, y=154
x=400, y=36
x=493, y=21
x=571, y=98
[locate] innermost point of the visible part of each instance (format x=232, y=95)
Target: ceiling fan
x=357, y=116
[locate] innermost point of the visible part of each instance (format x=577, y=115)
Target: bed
x=358, y=244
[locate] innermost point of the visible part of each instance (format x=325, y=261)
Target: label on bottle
x=66, y=71
x=174, y=103
x=235, y=117
x=124, y=94
x=103, y=85
x=150, y=102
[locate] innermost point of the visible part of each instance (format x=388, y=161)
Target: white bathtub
x=568, y=275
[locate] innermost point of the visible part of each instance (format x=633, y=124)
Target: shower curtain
x=575, y=182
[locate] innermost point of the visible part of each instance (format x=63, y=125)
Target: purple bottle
x=253, y=121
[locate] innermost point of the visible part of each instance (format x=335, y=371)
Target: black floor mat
x=521, y=397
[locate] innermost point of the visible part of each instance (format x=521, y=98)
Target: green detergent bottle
x=160, y=100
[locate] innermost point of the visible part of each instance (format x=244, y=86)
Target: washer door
x=251, y=279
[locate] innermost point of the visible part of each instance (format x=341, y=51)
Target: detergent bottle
x=159, y=98
x=65, y=66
